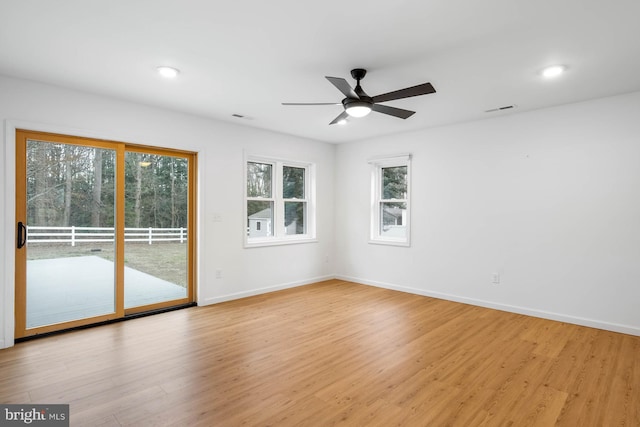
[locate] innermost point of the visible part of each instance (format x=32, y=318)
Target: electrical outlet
x=218, y=274
x=496, y=279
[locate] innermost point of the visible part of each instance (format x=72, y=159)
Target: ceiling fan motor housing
x=362, y=106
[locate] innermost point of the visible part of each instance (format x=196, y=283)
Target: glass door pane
x=156, y=229
x=70, y=203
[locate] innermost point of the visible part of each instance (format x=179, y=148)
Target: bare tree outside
x=96, y=204
x=71, y=185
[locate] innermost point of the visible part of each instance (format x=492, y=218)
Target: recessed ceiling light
x=553, y=71
x=168, y=72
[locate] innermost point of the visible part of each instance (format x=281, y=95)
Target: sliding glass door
x=69, y=199
x=103, y=230
x=156, y=229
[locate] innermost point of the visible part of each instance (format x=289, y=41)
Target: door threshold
x=108, y=322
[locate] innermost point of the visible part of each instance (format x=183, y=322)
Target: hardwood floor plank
x=15, y=398
x=332, y=353
x=107, y=411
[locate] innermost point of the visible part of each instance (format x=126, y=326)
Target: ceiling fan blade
x=311, y=103
x=392, y=111
x=342, y=116
x=423, y=89
x=343, y=86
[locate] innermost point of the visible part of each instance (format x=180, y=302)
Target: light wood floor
x=333, y=353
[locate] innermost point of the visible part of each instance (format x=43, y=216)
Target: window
x=390, y=195
x=280, y=207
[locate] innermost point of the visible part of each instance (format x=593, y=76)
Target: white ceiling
x=246, y=57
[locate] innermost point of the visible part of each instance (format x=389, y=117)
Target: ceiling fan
x=358, y=104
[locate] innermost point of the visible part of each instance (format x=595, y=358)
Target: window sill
x=278, y=242
x=390, y=242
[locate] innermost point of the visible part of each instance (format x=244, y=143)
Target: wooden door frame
x=120, y=148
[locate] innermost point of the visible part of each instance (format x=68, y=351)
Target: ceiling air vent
x=240, y=116
x=506, y=107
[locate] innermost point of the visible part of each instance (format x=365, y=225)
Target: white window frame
x=279, y=236
x=377, y=164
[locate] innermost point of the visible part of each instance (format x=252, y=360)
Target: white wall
x=549, y=199
x=220, y=146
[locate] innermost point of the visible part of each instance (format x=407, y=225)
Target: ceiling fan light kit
x=357, y=108
x=358, y=104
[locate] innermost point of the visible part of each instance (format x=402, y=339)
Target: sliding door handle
x=22, y=235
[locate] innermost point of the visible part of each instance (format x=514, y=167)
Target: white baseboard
x=260, y=291
x=607, y=326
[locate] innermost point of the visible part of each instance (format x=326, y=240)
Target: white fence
x=73, y=235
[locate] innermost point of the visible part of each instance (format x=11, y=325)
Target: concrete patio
x=65, y=289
